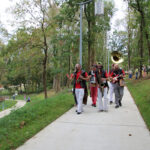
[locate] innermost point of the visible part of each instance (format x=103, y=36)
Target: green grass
x=36, y=96
x=140, y=90
x=5, y=92
x=24, y=123
x=7, y=104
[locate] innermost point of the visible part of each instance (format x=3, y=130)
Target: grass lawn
x=40, y=96
x=140, y=90
x=7, y=104
x=24, y=123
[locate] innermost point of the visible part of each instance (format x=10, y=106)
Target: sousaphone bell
x=116, y=57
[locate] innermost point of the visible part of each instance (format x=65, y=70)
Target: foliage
x=30, y=119
x=118, y=41
x=138, y=30
x=45, y=45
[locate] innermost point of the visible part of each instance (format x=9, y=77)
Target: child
x=28, y=99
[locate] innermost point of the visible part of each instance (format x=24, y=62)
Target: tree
x=36, y=14
x=142, y=7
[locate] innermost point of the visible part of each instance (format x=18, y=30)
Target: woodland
x=44, y=46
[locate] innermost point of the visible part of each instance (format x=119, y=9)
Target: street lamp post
x=108, y=60
x=81, y=6
x=80, y=47
x=98, y=11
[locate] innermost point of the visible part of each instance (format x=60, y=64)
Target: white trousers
x=102, y=105
x=111, y=90
x=79, y=96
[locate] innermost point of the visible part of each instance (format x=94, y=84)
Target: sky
x=120, y=14
x=6, y=18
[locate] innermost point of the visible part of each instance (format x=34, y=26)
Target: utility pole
x=80, y=46
x=98, y=11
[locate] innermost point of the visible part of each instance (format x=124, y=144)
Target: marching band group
x=100, y=82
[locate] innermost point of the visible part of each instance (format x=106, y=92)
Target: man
x=80, y=77
x=102, y=89
x=93, y=84
x=136, y=73
x=130, y=74
x=118, y=75
x=111, y=84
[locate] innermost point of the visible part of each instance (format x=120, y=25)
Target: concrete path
x=20, y=103
x=118, y=129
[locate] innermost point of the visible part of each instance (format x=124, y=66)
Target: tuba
x=116, y=57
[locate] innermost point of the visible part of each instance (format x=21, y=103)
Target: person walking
x=111, y=85
x=118, y=75
x=79, y=86
x=130, y=74
x=93, y=84
x=136, y=73
x=144, y=71
x=102, y=89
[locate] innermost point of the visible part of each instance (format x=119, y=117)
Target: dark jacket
x=102, y=76
x=118, y=73
x=82, y=82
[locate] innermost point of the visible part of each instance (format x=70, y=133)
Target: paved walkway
x=20, y=103
x=118, y=129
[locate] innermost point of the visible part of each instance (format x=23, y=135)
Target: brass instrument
x=116, y=57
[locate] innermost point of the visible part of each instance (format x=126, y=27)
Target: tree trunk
x=44, y=79
x=140, y=10
x=129, y=42
x=141, y=45
x=148, y=45
x=45, y=66
x=93, y=34
x=25, y=88
x=89, y=45
x=146, y=35
x=57, y=82
x=87, y=11
x=54, y=80
x=45, y=51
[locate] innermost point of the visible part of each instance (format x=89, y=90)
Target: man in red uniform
x=80, y=77
x=118, y=75
x=93, y=84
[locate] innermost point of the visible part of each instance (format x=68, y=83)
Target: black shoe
x=105, y=110
x=120, y=104
x=117, y=106
x=78, y=113
x=111, y=102
x=94, y=105
x=100, y=110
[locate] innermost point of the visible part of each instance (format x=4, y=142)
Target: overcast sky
x=6, y=18
x=120, y=14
